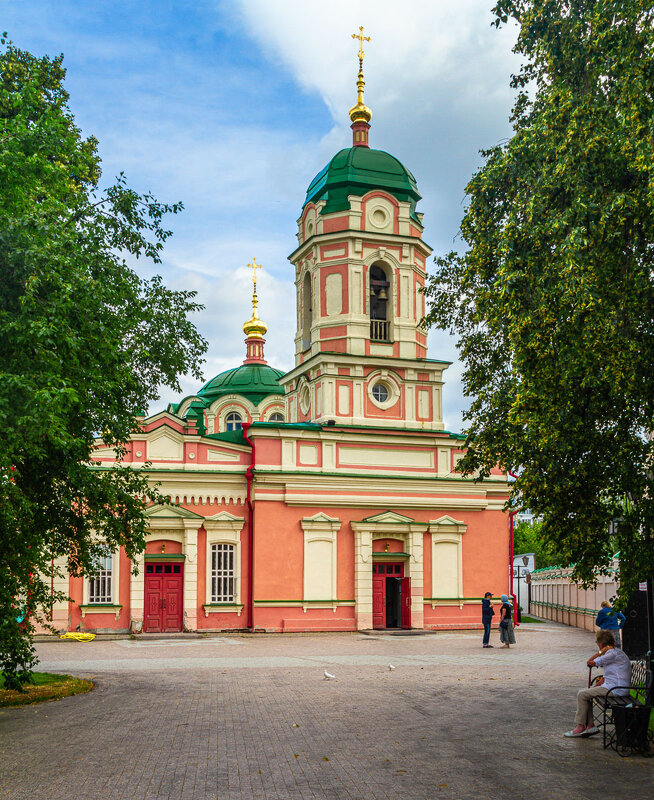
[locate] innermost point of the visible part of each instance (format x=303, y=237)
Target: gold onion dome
x=255, y=328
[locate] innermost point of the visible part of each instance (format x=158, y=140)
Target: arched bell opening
x=380, y=304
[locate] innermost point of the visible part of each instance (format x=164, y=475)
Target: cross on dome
x=361, y=39
x=254, y=267
x=360, y=114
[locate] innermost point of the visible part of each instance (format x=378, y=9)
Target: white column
x=191, y=575
x=362, y=577
x=417, y=575
x=137, y=595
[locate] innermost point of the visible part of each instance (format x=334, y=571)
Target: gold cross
x=361, y=39
x=254, y=267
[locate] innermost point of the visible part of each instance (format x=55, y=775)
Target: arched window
x=276, y=417
x=233, y=421
x=380, y=304
x=307, y=311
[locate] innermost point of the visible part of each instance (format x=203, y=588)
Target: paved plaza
x=245, y=717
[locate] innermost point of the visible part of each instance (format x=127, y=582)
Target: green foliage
x=553, y=301
x=84, y=344
x=530, y=539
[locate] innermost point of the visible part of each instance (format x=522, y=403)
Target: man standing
x=487, y=614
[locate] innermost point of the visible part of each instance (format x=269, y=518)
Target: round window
x=380, y=392
x=276, y=417
x=305, y=399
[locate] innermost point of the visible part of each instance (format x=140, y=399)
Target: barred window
x=222, y=573
x=100, y=585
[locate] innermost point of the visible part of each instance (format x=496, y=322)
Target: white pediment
x=446, y=520
x=389, y=518
x=224, y=516
x=320, y=517
x=165, y=446
x=170, y=512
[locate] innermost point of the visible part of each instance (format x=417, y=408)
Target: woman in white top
x=617, y=673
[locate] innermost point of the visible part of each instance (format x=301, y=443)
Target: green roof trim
x=235, y=437
x=357, y=171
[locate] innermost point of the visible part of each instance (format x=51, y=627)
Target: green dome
x=358, y=170
x=253, y=381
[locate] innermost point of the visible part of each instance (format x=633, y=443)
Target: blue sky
x=233, y=107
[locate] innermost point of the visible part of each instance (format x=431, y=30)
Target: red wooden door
x=153, y=618
x=378, y=601
x=164, y=592
x=405, y=594
x=172, y=605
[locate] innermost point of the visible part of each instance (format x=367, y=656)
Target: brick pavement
x=252, y=717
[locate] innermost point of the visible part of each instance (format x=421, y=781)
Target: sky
x=233, y=106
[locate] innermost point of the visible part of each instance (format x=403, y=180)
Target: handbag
x=504, y=623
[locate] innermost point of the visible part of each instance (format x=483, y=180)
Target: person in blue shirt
x=609, y=619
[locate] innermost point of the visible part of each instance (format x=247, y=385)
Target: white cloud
x=235, y=112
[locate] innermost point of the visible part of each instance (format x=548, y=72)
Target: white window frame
x=224, y=574
x=115, y=585
x=390, y=382
x=223, y=528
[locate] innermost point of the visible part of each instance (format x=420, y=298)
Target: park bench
x=624, y=718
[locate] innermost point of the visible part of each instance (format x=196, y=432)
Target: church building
x=325, y=498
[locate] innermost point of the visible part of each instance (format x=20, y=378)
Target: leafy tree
x=84, y=344
x=528, y=538
x=553, y=300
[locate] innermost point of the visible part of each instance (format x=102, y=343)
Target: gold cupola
x=255, y=328
x=360, y=114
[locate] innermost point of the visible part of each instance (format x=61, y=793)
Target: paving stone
x=207, y=723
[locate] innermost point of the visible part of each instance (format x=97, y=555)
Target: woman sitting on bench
x=617, y=672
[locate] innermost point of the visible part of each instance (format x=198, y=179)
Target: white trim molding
x=391, y=525
x=111, y=607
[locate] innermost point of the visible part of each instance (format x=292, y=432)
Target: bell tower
x=360, y=266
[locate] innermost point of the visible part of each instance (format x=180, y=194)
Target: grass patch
x=45, y=686
x=526, y=618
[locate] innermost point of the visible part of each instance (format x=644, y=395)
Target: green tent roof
x=358, y=170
